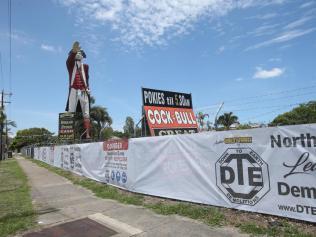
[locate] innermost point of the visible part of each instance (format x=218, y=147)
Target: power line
x=270, y=112
x=10, y=53
x=313, y=86
x=263, y=114
x=264, y=107
x=1, y=71
x=205, y=108
x=10, y=47
x=229, y=109
x=277, y=98
x=271, y=93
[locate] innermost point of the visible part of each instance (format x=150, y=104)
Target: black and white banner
x=266, y=170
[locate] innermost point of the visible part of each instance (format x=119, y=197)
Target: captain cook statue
x=79, y=93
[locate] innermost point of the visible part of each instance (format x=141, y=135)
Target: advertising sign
x=71, y=158
x=168, y=113
x=66, y=126
x=116, y=161
x=65, y=157
x=152, y=97
x=170, y=121
x=264, y=170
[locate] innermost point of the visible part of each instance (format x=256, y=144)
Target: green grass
x=212, y=216
x=109, y=192
x=16, y=211
x=209, y=215
x=285, y=230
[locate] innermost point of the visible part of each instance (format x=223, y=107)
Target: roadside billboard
x=168, y=113
x=66, y=126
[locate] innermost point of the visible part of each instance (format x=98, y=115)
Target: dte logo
x=242, y=176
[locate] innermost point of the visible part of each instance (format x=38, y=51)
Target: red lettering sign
x=115, y=144
x=166, y=118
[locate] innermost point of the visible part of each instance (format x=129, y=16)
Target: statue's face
x=79, y=56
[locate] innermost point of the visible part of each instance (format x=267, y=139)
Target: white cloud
x=221, y=49
x=298, y=23
x=153, y=22
x=50, y=48
x=19, y=37
x=265, y=74
x=239, y=79
x=266, y=16
x=285, y=46
x=307, y=4
x=284, y=37
x=275, y=60
x=266, y=29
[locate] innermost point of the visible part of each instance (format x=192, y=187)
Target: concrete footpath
x=57, y=201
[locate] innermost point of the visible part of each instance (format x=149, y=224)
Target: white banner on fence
x=116, y=162
x=266, y=170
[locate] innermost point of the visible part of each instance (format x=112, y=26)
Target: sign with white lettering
x=152, y=97
x=66, y=126
x=168, y=113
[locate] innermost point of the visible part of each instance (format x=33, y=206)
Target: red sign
x=172, y=120
x=115, y=144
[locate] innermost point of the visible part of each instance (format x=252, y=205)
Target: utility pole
x=2, y=122
x=1, y=127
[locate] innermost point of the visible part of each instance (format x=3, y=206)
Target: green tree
x=100, y=119
x=118, y=134
x=10, y=123
x=5, y=122
x=2, y=116
x=107, y=133
x=31, y=136
x=303, y=114
x=227, y=119
x=138, y=131
x=244, y=126
x=129, y=127
x=7, y=125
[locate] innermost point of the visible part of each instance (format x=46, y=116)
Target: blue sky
x=218, y=50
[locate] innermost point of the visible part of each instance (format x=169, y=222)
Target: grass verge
x=284, y=229
x=16, y=211
x=210, y=215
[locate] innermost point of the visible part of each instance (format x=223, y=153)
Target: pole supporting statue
x=79, y=93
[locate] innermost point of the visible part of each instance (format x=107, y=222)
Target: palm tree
x=227, y=119
x=100, y=119
x=200, y=118
x=6, y=124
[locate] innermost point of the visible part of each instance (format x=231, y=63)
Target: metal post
x=215, y=122
x=136, y=126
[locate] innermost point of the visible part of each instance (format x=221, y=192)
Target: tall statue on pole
x=79, y=93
